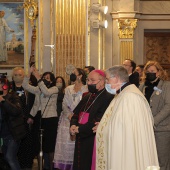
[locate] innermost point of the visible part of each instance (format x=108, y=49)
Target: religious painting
x=11, y=34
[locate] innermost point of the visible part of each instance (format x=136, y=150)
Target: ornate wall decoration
x=157, y=47
x=126, y=35
x=31, y=9
x=127, y=27
x=126, y=50
x=31, y=13
x=70, y=34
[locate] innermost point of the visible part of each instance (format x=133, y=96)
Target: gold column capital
x=126, y=28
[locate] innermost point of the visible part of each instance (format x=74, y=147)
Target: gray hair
x=118, y=71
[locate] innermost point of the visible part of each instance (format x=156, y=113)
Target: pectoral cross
x=74, y=96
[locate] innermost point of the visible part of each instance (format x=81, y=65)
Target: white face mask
x=59, y=85
x=18, y=79
x=109, y=89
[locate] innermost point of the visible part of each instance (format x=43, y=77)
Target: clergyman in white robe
x=125, y=138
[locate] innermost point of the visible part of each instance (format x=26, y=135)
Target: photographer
x=12, y=128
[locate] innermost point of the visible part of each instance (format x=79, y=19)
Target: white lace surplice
x=64, y=150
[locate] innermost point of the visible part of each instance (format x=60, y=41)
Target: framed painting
x=12, y=34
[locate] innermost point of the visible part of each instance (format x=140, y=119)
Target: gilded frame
x=14, y=43
x=31, y=9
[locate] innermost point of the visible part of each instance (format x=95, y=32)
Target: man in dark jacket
x=130, y=66
x=89, y=111
x=12, y=124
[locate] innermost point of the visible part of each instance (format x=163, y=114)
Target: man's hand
x=72, y=129
x=95, y=127
x=31, y=70
x=1, y=99
x=36, y=74
x=77, y=130
x=30, y=121
x=70, y=116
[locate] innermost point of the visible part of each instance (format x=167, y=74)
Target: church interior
x=60, y=35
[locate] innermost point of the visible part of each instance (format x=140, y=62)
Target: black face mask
x=150, y=76
x=47, y=83
x=73, y=77
x=1, y=92
x=92, y=88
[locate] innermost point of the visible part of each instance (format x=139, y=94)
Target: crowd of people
x=117, y=119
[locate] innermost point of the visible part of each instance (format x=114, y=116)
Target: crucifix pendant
x=74, y=96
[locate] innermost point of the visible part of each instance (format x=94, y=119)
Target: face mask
x=59, y=85
x=92, y=88
x=47, y=83
x=109, y=89
x=1, y=92
x=73, y=77
x=150, y=76
x=18, y=79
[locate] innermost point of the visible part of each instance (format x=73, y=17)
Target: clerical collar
x=125, y=85
x=100, y=91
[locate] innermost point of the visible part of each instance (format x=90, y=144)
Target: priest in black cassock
x=89, y=111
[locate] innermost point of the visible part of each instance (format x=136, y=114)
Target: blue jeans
x=10, y=149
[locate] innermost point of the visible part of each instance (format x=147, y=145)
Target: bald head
x=96, y=77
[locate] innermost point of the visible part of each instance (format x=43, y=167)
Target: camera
x=3, y=75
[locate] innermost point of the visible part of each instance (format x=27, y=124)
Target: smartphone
x=32, y=64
